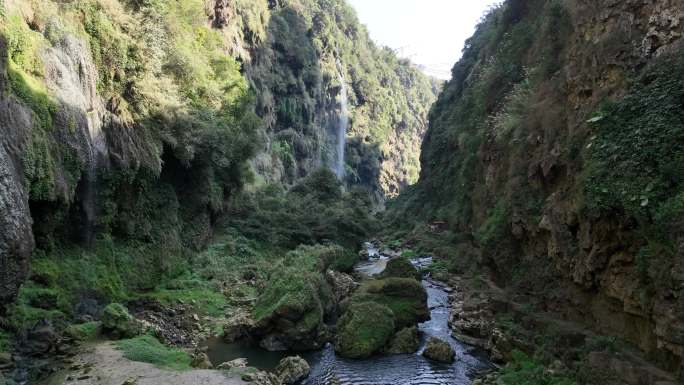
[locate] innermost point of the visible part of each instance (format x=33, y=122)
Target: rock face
x=440, y=351
x=550, y=190
x=237, y=326
x=291, y=370
x=16, y=237
x=119, y=323
x=343, y=285
x=364, y=329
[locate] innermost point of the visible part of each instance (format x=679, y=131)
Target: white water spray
x=342, y=124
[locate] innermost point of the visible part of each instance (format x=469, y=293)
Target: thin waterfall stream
x=342, y=123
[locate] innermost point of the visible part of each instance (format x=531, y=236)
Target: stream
x=406, y=369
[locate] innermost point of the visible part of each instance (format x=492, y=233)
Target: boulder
x=289, y=312
x=440, y=351
x=237, y=326
x=406, y=297
x=236, y=363
x=117, y=322
x=343, y=285
x=260, y=378
x=406, y=341
x=401, y=268
x=201, y=361
x=291, y=370
x=364, y=329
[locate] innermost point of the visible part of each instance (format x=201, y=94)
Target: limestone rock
x=236, y=363
x=201, y=361
x=292, y=369
x=440, y=351
x=343, y=285
x=238, y=326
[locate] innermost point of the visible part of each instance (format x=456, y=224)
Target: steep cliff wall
x=556, y=149
x=296, y=53
x=133, y=123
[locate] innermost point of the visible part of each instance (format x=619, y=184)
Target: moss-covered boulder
x=401, y=268
x=117, y=322
x=406, y=341
x=406, y=297
x=440, y=351
x=364, y=329
x=289, y=313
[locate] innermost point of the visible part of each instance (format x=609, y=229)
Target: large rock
x=291, y=370
x=343, y=285
x=117, y=322
x=201, y=361
x=364, y=329
x=237, y=326
x=440, y=351
x=406, y=341
x=401, y=268
x=289, y=313
x=406, y=297
x=236, y=363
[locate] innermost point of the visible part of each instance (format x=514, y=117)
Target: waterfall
x=97, y=150
x=342, y=124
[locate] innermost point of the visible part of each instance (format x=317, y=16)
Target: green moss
x=401, y=268
x=83, y=332
x=406, y=297
x=148, y=349
x=119, y=323
x=290, y=291
x=364, y=329
x=524, y=370
x=203, y=297
x=495, y=227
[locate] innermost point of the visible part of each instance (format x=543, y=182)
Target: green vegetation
x=119, y=323
x=364, y=329
x=405, y=341
x=148, y=349
x=401, y=268
x=524, y=370
x=313, y=211
x=84, y=332
x=632, y=165
x=406, y=297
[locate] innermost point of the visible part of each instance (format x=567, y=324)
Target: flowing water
x=406, y=369
x=342, y=124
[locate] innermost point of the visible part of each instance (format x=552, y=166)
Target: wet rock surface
x=440, y=351
x=291, y=370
